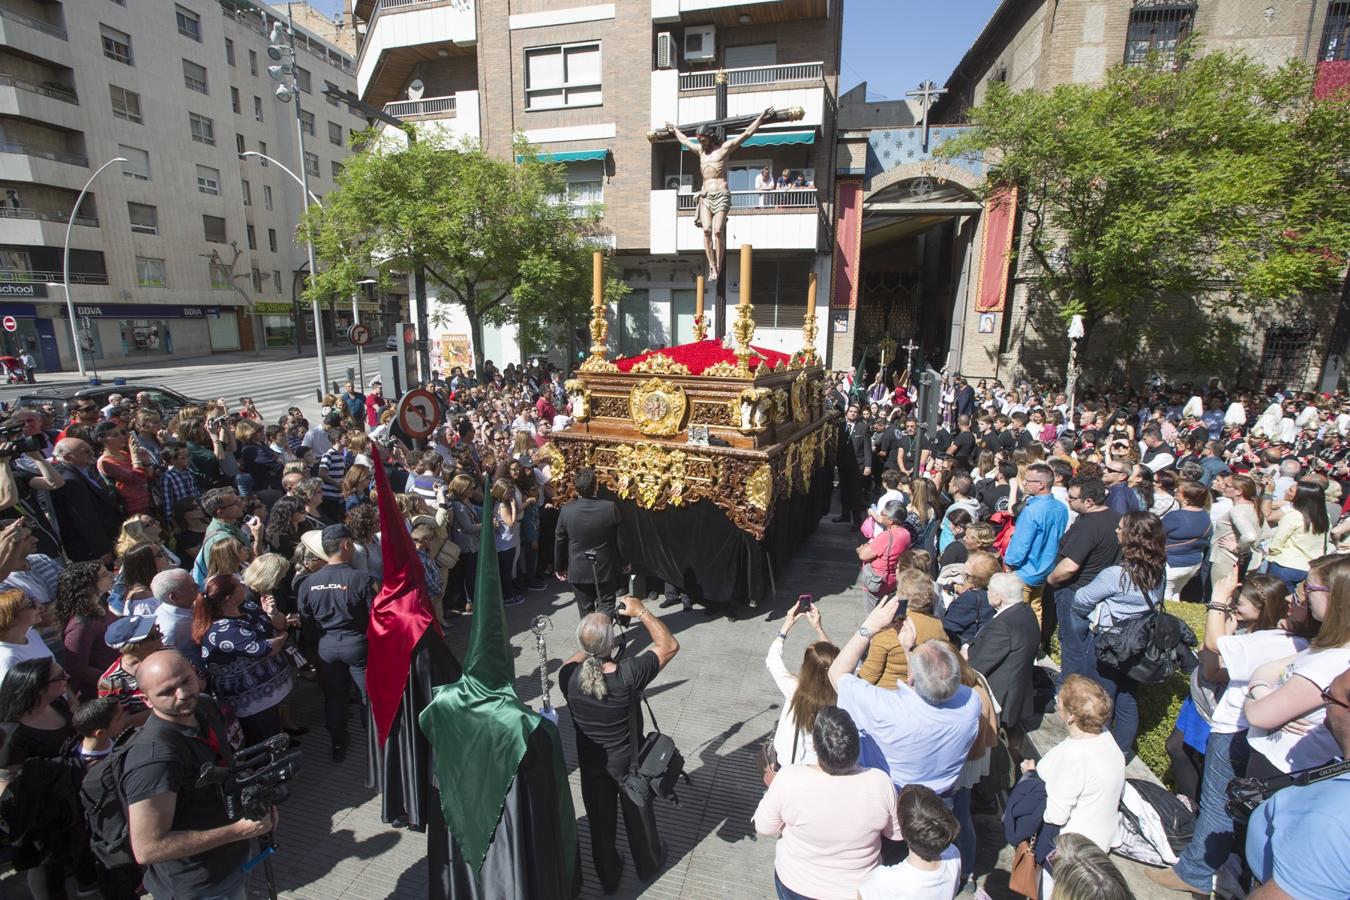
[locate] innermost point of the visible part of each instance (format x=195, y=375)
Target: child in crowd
x=98, y=722
x=932, y=870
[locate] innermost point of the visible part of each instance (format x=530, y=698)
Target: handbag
x=870, y=579
x=1025, y=878
x=768, y=757
x=656, y=763
x=1149, y=647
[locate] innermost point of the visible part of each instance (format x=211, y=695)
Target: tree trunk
x=476, y=337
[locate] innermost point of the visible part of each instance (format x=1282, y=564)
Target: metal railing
x=38, y=276
x=400, y=4
x=9, y=212
x=54, y=30
x=752, y=76
x=441, y=107
x=302, y=40
x=25, y=150
x=24, y=84
x=789, y=198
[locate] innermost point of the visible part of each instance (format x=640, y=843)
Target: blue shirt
x=1300, y=837
x=1187, y=532
x=906, y=737
x=1123, y=499
x=1112, y=597
x=1212, y=466
x=1035, y=542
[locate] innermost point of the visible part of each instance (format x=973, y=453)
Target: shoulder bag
x=1148, y=647
x=656, y=763
x=768, y=756
x=1025, y=878
x=869, y=579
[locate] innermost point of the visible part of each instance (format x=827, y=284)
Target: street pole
x=304, y=196
x=65, y=260
x=360, y=351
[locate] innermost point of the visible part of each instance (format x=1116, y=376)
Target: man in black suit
x=589, y=527
x=1005, y=650
x=88, y=512
x=965, y=397
x=855, y=466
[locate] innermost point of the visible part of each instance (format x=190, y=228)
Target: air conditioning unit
x=700, y=44
x=665, y=50
x=682, y=183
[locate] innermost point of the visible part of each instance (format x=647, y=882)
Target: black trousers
x=851, y=488
x=586, y=596
x=261, y=725
x=343, y=661
x=602, y=797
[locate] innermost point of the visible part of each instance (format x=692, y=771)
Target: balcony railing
x=9, y=212
x=790, y=198
x=31, y=276
x=64, y=94
x=55, y=31
x=754, y=76
x=439, y=107
x=400, y=4
x=313, y=48
x=25, y=150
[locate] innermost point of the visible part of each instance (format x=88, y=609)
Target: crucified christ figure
x=714, y=197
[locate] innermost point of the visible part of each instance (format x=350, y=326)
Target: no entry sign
x=418, y=413
x=11, y=323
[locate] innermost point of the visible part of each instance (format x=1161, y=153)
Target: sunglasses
x=1326, y=696
x=58, y=679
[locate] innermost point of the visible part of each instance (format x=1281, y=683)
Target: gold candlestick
x=599, y=326
x=743, y=329
x=700, y=324
x=809, y=323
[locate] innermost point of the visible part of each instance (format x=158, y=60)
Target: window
x=567, y=75
x=248, y=193
x=252, y=62
x=252, y=237
x=307, y=122
x=335, y=134
x=214, y=229
x=137, y=163
x=116, y=44
x=194, y=76
x=208, y=180
x=267, y=196
x=257, y=281
x=329, y=86
x=311, y=163
x=272, y=239
x=302, y=80
x=149, y=272
x=203, y=129
x=125, y=104
x=239, y=144
x=144, y=218
x=234, y=100
x=257, y=109
x=337, y=169
x=229, y=51
x=750, y=56
x=262, y=148
x=781, y=286
x=583, y=185
x=189, y=23
x=220, y=276
x=1336, y=32
x=276, y=280
x=1157, y=29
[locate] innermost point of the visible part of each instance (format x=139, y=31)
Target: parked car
x=167, y=400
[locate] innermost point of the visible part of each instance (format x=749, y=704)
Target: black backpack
x=105, y=805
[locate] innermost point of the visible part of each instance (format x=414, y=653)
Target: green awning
x=571, y=156
x=778, y=138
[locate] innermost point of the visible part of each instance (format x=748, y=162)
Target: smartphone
x=804, y=602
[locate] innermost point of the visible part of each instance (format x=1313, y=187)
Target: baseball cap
x=129, y=630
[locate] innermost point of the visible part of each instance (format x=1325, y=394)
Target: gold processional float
x=742, y=429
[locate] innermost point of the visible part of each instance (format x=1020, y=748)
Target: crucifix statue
x=714, y=197
x=926, y=95
x=909, y=359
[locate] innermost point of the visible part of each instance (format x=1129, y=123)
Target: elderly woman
x=830, y=815
x=887, y=663
x=241, y=651
x=804, y=694
x=881, y=553
x=84, y=620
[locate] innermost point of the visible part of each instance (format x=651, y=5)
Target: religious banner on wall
x=1000, y=214
x=452, y=350
x=848, y=214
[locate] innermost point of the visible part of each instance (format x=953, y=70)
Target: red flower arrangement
x=700, y=355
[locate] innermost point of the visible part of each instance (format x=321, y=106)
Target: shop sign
x=22, y=289
x=145, y=311
x=272, y=309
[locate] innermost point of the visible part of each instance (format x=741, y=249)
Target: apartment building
x=184, y=248
x=585, y=83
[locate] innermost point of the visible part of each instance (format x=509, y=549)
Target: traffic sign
x=358, y=334
x=11, y=323
x=419, y=412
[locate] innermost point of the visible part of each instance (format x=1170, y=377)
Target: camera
x=259, y=779
x=216, y=421
x=13, y=442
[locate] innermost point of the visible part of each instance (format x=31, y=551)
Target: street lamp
x=282, y=49
x=65, y=260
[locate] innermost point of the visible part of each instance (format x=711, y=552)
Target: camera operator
x=22, y=446
x=179, y=830
x=603, y=695
x=586, y=546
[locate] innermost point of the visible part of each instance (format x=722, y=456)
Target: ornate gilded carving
x=651, y=476
x=790, y=466
x=610, y=407
x=700, y=328
x=597, y=365
x=705, y=413
x=782, y=409
x=801, y=390
x=809, y=328
x=759, y=489
x=806, y=459
x=743, y=330
x=754, y=410
x=580, y=397
x=657, y=407
x=660, y=364
x=727, y=370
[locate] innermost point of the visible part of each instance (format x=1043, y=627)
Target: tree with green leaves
x=492, y=235
x=1219, y=180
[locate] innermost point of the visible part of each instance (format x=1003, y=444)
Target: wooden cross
x=927, y=94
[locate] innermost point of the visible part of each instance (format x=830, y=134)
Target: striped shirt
x=334, y=464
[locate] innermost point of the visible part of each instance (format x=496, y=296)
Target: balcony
x=760, y=201
x=317, y=49
x=34, y=38
x=729, y=12
x=39, y=153
x=42, y=276
x=47, y=28
x=426, y=108
x=417, y=25
x=768, y=220
x=65, y=95
x=690, y=96
x=757, y=76
x=456, y=115
x=9, y=212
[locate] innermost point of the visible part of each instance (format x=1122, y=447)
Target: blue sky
x=892, y=44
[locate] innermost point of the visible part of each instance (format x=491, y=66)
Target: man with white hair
x=175, y=594
x=1005, y=650
x=921, y=732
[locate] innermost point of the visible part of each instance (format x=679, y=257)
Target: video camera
x=13, y=442
x=258, y=780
